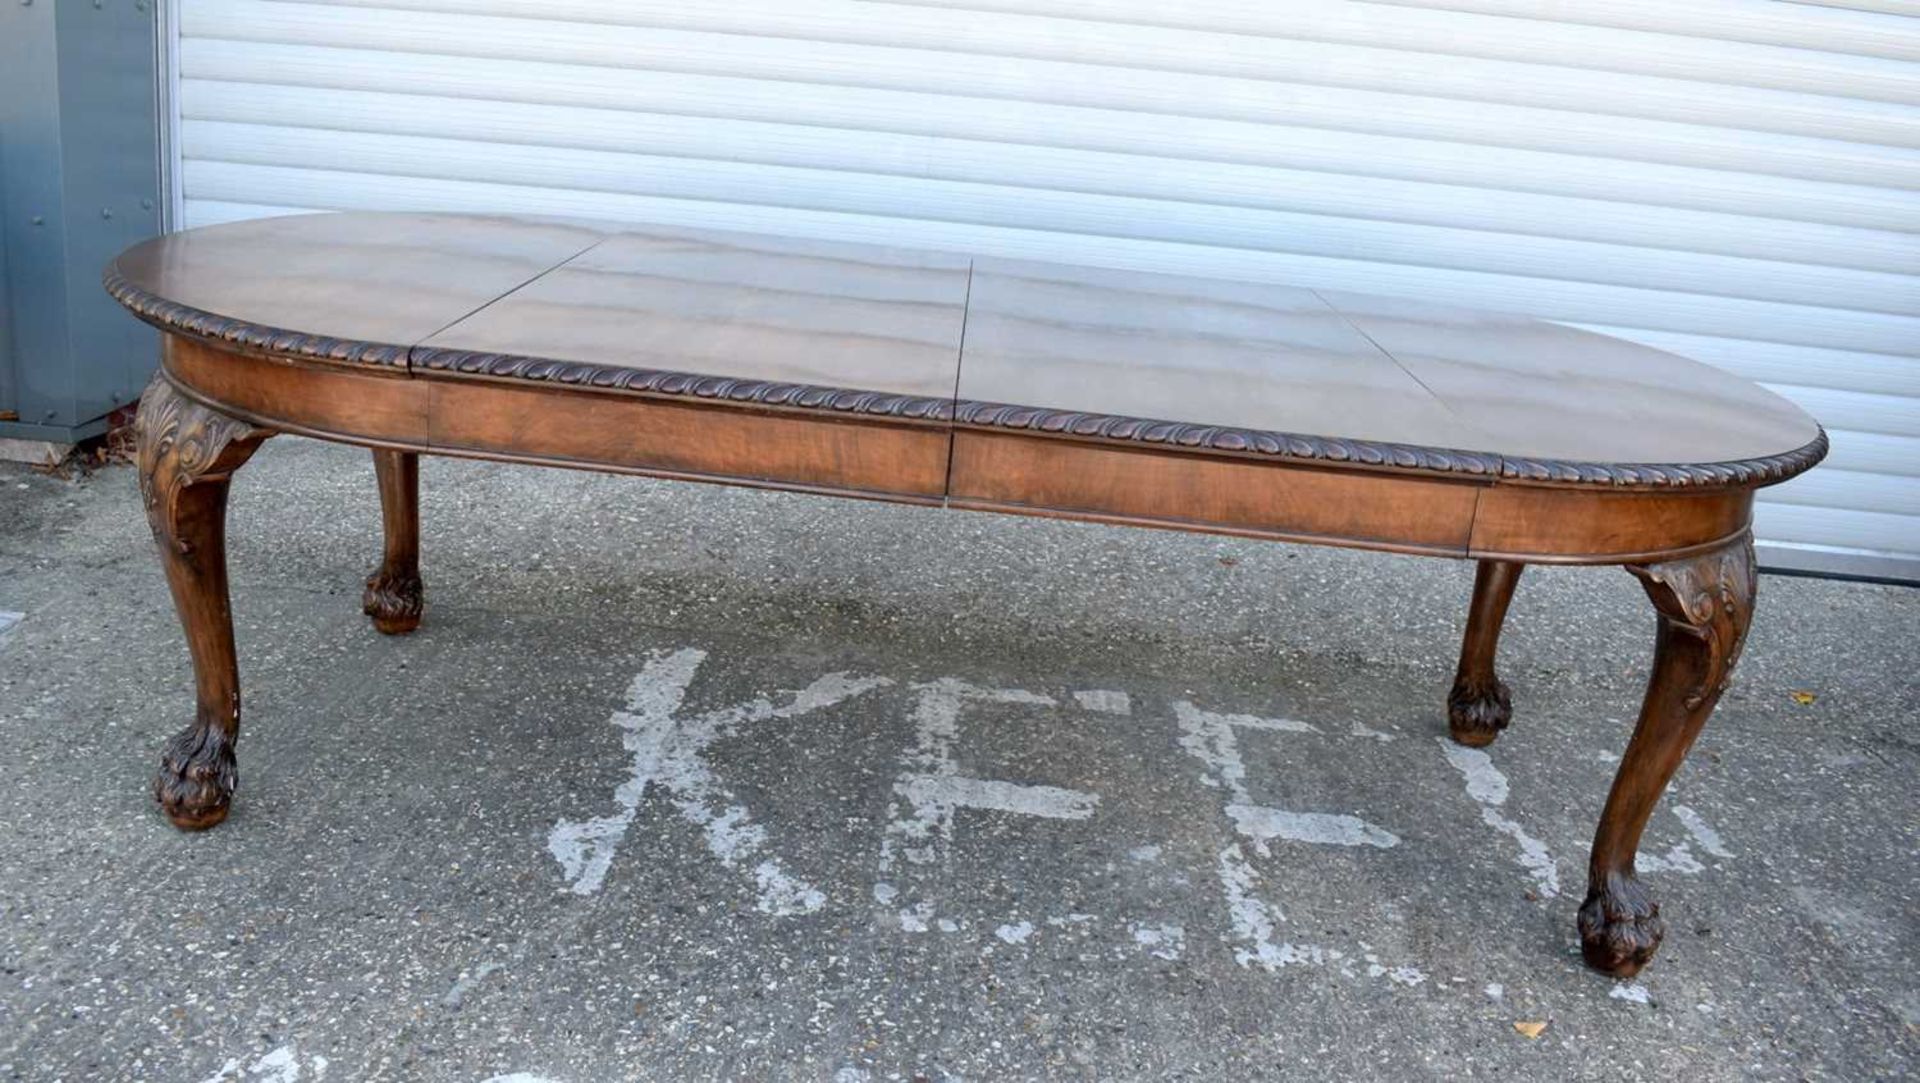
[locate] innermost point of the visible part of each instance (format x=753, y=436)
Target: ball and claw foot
x=394, y=600
x=1477, y=711
x=1620, y=927
x=196, y=779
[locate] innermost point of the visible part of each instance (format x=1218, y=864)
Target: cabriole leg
x=1479, y=706
x=187, y=453
x=1705, y=603
x=394, y=594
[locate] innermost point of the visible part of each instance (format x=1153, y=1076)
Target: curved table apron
x=929, y=378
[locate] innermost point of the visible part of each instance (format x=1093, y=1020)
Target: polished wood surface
x=1191, y=365
x=1538, y=390
x=394, y=596
x=694, y=440
x=995, y=386
x=758, y=308
x=1547, y=526
x=385, y=279
x=187, y=454
x=1480, y=704
x=1704, y=605
x=1008, y=472
x=1188, y=349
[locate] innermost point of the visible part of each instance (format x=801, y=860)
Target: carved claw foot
x=393, y=599
x=1620, y=926
x=188, y=452
x=197, y=777
x=1478, y=710
x=1480, y=706
x=1705, y=603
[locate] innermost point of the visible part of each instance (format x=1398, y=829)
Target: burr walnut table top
x=1182, y=363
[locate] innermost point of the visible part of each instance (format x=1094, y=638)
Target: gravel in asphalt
x=682, y=783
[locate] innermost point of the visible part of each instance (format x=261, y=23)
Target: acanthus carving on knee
x=1709, y=598
x=180, y=442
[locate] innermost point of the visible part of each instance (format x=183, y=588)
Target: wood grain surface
x=1118, y=397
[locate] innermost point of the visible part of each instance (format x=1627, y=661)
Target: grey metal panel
x=56, y=434
x=7, y=396
x=42, y=382
x=110, y=156
x=80, y=183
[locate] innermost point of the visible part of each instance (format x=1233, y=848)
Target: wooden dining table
x=984, y=384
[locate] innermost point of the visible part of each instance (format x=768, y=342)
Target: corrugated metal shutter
x=1737, y=180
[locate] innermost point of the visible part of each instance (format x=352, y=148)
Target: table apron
x=693, y=440
x=924, y=461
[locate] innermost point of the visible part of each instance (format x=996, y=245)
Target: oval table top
x=1206, y=365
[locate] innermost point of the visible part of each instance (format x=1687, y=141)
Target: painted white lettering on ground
x=282, y=1065
x=1631, y=991
x=1208, y=735
x=1360, y=730
x=1161, y=941
x=933, y=789
x=670, y=751
x=995, y=795
x=1104, y=701
x=1211, y=738
x=1255, y=919
x=457, y=994
x=1261, y=823
x=1707, y=837
x=930, y=790
x=1488, y=788
x=1679, y=857
x=1399, y=975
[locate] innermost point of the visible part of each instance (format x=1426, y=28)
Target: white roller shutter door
x=1735, y=180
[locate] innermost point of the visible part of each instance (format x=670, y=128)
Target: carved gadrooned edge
x=175, y=318
x=1220, y=438
x=1743, y=474
x=687, y=384
x=178, y=319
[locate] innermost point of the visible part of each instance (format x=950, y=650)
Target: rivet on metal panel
x=106, y=212
x=39, y=219
x=146, y=204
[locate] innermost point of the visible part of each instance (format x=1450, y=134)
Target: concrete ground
x=681, y=782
